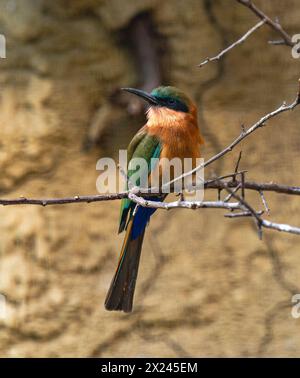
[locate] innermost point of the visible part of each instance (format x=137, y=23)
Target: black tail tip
x=109, y=306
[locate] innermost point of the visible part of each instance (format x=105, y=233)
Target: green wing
x=144, y=146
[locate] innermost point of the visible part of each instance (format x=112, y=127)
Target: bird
x=171, y=131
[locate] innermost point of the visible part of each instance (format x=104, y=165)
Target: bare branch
x=281, y=227
x=279, y=42
x=242, y=214
x=238, y=164
x=240, y=205
x=228, y=198
x=262, y=223
x=261, y=193
x=137, y=197
x=265, y=19
x=238, y=42
x=63, y=201
x=244, y=134
x=215, y=183
x=216, y=179
x=262, y=122
x=183, y=204
x=251, y=185
x=275, y=25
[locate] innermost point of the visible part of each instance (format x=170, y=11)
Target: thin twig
x=246, y=206
x=64, y=200
x=275, y=25
x=183, y=204
x=262, y=223
x=251, y=185
x=228, y=198
x=238, y=164
x=278, y=42
x=240, y=205
x=229, y=175
x=281, y=227
x=238, y=42
x=261, y=193
x=243, y=184
x=242, y=214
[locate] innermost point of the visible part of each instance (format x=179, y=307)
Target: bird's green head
x=169, y=97
x=172, y=98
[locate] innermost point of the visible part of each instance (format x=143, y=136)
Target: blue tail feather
x=141, y=218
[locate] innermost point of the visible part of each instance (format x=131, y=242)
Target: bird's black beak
x=144, y=95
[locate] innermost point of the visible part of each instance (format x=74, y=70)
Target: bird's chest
x=177, y=131
x=179, y=142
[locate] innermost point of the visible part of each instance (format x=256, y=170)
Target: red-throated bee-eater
x=171, y=132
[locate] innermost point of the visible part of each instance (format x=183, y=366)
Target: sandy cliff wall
x=231, y=293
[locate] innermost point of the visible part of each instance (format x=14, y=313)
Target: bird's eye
x=171, y=101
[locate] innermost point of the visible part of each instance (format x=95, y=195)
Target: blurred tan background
x=207, y=285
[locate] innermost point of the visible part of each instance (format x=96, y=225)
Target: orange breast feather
x=178, y=132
